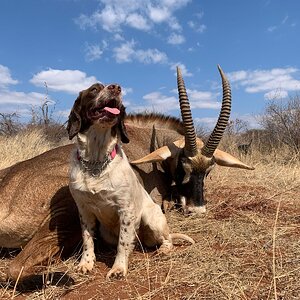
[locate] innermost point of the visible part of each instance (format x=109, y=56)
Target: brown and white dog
x=105, y=187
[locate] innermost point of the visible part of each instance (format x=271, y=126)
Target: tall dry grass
x=24, y=145
x=247, y=244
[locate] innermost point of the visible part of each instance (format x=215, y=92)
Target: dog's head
x=99, y=105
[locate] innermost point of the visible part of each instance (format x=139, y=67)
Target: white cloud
x=151, y=56
x=137, y=21
x=14, y=101
x=70, y=81
x=158, y=14
x=270, y=82
x=126, y=91
x=197, y=26
x=210, y=122
x=176, y=39
x=126, y=52
x=276, y=94
x=174, y=4
x=252, y=121
x=94, y=52
x=200, y=99
x=5, y=77
x=174, y=24
x=207, y=121
x=118, y=37
x=162, y=102
x=141, y=15
x=184, y=70
x=12, y=97
x=157, y=101
x=237, y=76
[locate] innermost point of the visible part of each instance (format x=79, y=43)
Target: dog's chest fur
x=105, y=195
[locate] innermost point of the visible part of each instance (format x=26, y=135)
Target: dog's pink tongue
x=113, y=111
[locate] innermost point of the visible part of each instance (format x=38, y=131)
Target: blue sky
x=70, y=44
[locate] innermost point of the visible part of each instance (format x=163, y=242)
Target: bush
x=9, y=124
x=281, y=123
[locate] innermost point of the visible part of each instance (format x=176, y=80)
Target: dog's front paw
x=85, y=266
x=117, y=272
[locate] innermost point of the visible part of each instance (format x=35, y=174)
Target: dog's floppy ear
x=122, y=127
x=74, y=121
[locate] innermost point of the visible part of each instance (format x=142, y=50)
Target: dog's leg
x=88, y=223
x=125, y=245
x=155, y=223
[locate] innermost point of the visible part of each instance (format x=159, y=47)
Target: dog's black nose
x=114, y=87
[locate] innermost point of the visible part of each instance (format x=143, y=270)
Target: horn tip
x=219, y=68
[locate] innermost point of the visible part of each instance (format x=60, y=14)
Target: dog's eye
x=94, y=90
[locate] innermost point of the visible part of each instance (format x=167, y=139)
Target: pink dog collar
x=114, y=152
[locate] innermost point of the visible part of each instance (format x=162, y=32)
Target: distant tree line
x=280, y=125
x=41, y=118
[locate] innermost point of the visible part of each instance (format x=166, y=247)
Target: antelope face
x=189, y=178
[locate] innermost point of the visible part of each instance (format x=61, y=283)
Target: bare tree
x=282, y=122
x=9, y=124
x=40, y=115
x=236, y=127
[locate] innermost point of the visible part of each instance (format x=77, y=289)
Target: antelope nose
x=115, y=88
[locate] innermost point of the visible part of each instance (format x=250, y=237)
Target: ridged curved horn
x=215, y=137
x=190, y=135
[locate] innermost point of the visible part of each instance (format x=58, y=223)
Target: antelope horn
x=215, y=137
x=190, y=147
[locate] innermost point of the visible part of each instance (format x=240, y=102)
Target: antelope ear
x=224, y=159
x=161, y=154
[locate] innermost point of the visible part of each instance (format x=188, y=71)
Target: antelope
x=188, y=160
x=245, y=148
x=38, y=212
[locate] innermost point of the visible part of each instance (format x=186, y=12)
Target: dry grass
x=247, y=246
x=24, y=145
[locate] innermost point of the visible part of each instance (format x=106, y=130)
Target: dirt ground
x=247, y=247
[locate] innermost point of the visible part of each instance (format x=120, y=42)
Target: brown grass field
x=247, y=244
